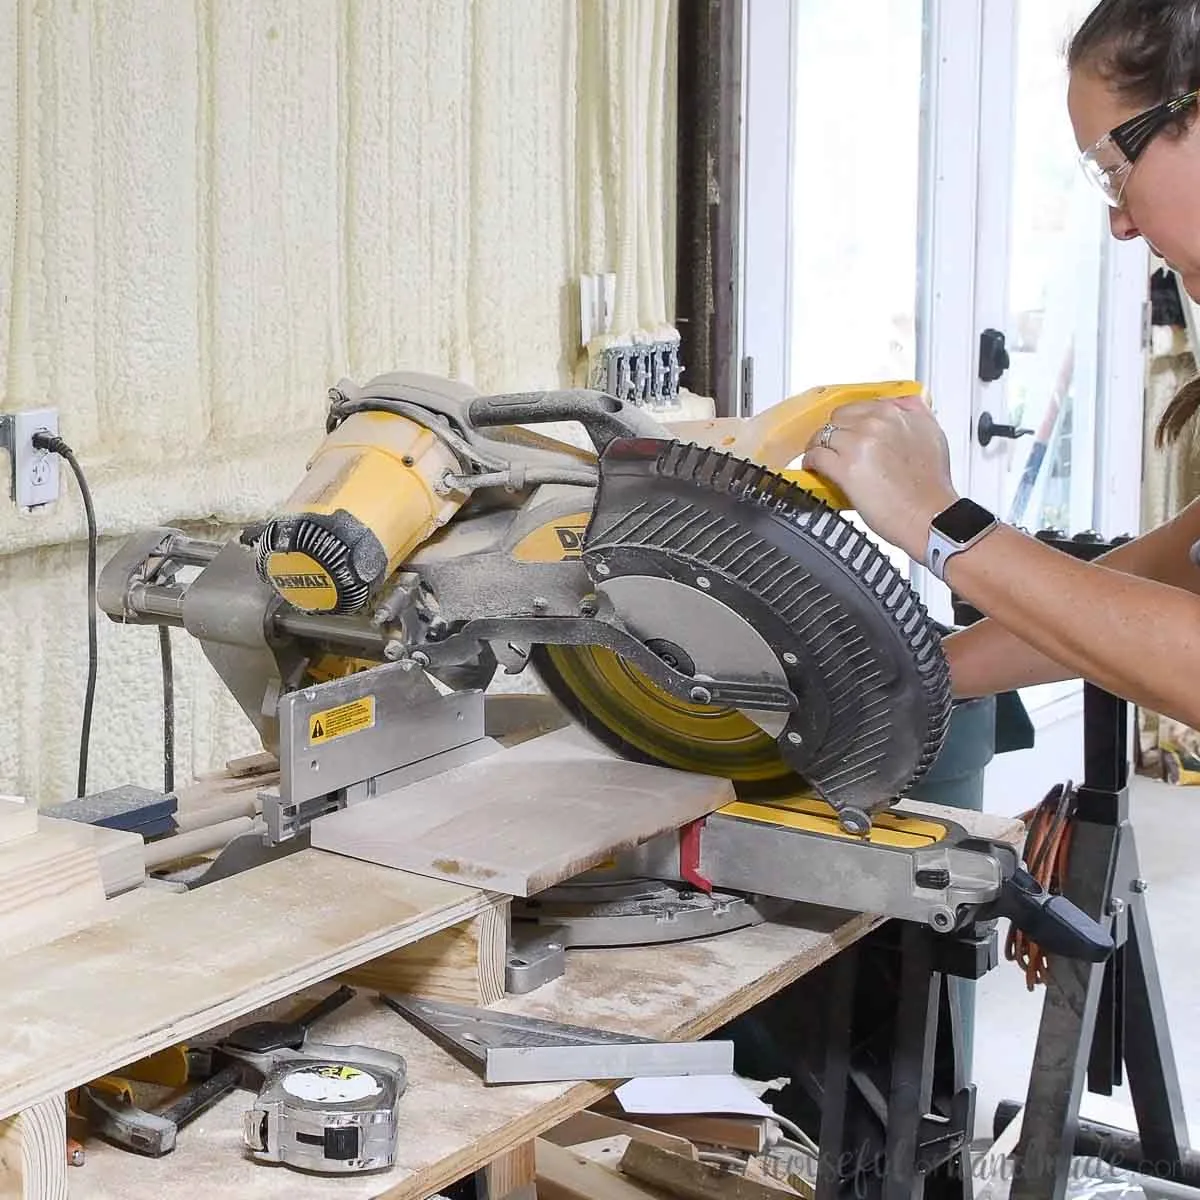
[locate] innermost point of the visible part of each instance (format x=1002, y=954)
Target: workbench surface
x=451, y=1124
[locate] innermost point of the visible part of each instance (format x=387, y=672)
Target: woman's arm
x=987, y=658
x=1136, y=637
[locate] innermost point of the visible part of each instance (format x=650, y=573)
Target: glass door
x=913, y=207
x=1057, y=336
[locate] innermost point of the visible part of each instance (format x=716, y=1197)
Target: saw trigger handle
x=1053, y=922
x=603, y=416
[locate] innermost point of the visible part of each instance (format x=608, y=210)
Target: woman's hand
x=891, y=460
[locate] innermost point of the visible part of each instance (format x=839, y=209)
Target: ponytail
x=1179, y=412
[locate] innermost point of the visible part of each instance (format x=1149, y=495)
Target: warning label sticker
x=338, y=722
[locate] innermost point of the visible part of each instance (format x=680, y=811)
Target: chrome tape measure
x=330, y=1114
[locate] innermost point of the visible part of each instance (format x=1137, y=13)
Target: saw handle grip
x=1053, y=922
x=603, y=416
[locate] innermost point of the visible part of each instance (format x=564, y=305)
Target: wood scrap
x=689, y=1179
x=563, y=1174
x=523, y=819
x=592, y=1126
x=795, y=1186
x=18, y=819
x=33, y=1153
x=252, y=764
x=713, y=1129
x=461, y=965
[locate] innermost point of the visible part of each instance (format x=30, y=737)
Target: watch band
x=954, y=530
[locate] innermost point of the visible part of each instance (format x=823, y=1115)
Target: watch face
x=963, y=520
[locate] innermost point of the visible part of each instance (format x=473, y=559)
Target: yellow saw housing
x=374, y=491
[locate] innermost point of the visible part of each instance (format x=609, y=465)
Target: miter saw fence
x=688, y=597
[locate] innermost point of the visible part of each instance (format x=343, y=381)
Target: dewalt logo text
x=301, y=581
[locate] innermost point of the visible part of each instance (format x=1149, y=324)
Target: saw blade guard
x=842, y=627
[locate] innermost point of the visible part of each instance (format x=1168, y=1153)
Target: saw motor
x=679, y=589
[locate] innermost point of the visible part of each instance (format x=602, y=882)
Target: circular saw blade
x=854, y=642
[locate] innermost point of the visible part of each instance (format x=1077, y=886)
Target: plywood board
x=452, y=1124
x=522, y=820
x=87, y=1003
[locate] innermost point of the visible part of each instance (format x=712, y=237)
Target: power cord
x=168, y=681
x=55, y=445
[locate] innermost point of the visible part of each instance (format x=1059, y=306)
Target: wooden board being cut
x=97, y=999
x=522, y=820
x=451, y=1124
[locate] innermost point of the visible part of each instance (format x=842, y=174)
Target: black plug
x=45, y=440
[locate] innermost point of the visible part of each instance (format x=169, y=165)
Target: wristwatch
x=954, y=530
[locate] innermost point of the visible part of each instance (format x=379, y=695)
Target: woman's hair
x=1147, y=51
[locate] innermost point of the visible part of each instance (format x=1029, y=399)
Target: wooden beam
x=461, y=965
x=120, y=853
x=33, y=1152
x=44, y=879
x=18, y=819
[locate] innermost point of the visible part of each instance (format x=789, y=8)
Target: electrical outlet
x=35, y=473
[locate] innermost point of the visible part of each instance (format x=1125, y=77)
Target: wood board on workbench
x=451, y=1124
x=522, y=820
x=101, y=997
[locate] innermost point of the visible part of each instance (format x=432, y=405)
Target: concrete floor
x=1007, y=1015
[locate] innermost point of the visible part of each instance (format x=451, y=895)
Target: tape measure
x=332, y=1115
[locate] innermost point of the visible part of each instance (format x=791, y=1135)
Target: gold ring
x=826, y=433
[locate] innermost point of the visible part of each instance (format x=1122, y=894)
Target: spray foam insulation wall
x=211, y=212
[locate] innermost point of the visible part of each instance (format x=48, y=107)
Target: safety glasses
x=1108, y=163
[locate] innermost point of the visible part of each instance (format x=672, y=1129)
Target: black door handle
x=993, y=355
x=988, y=429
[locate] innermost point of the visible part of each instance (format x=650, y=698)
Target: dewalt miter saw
x=682, y=592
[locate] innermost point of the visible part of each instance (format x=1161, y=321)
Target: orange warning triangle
x=318, y=730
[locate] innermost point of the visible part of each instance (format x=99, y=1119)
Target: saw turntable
x=686, y=597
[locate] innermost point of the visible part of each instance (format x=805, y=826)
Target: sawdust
x=451, y=866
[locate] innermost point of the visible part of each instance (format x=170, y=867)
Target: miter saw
x=686, y=596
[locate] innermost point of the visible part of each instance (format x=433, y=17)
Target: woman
x=1135, y=107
